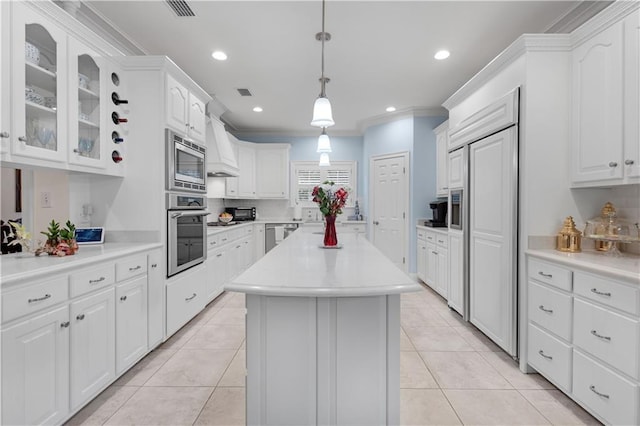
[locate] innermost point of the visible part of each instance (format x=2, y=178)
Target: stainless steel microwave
x=242, y=213
x=186, y=164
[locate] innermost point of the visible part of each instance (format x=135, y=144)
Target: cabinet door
x=456, y=169
x=92, y=346
x=232, y=183
x=421, y=258
x=38, y=131
x=632, y=95
x=431, y=274
x=442, y=158
x=86, y=106
x=197, y=119
x=456, y=283
x=442, y=281
x=177, y=105
x=35, y=370
x=598, y=107
x=216, y=273
x=155, y=292
x=131, y=322
x=259, y=241
x=5, y=85
x=247, y=178
x=272, y=172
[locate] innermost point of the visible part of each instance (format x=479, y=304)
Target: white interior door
x=492, y=237
x=389, y=197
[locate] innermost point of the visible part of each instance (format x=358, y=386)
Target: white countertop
x=443, y=230
x=215, y=229
x=20, y=267
x=626, y=267
x=300, y=267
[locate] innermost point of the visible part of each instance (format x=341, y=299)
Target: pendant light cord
x=322, y=92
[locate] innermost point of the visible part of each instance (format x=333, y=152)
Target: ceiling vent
x=244, y=92
x=180, y=7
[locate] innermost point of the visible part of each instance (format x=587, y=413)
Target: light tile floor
x=450, y=373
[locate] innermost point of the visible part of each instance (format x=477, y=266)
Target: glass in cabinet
x=86, y=80
x=39, y=69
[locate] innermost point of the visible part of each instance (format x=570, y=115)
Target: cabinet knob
x=154, y=265
x=123, y=298
x=64, y=324
x=4, y=135
x=626, y=162
x=375, y=222
x=613, y=164
x=80, y=317
x=22, y=138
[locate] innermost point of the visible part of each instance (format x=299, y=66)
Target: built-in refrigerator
x=488, y=217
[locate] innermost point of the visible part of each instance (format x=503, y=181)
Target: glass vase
x=330, y=236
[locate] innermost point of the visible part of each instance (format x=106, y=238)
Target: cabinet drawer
x=551, y=309
x=422, y=234
x=34, y=298
x=608, y=336
x=611, y=396
x=131, y=267
x=607, y=291
x=549, y=273
x=213, y=241
x=91, y=279
x=185, y=298
x=430, y=236
x=224, y=238
x=442, y=240
x=550, y=356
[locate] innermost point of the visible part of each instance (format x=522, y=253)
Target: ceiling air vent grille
x=244, y=92
x=180, y=7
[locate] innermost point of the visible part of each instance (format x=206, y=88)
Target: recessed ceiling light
x=219, y=55
x=441, y=54
x=257, y=109
x=391, y=108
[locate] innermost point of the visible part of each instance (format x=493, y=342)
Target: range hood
x=221, y=160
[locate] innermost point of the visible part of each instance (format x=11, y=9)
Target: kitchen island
x=323, y=333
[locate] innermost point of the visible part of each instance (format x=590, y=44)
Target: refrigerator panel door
x=492, y=213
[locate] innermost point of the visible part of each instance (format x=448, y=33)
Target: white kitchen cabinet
x=442, y=159
x=421, y=260
x=186, y=296
x=131, y=322
x=455, y=294
x=258, y=241
x=433, y=260
x=244, y=185
x=456, y=169
x=432, y=266
x=442, y=280
x=38, y=131
x=87, y=129
x=35, y=369
x=92, y=345
x=155, y=293
x=185, y=112
x=605, y=96
x=5, y=104
x=217, y=267
x=272, y=170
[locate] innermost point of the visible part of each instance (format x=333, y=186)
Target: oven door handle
x=189, y=214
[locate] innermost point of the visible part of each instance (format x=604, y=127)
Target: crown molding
x=314, y=132
x=411, y=112
x=578, y=16
x=522, y=45
x=612, y=14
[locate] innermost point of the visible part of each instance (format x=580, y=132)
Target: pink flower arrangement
x=330, y=197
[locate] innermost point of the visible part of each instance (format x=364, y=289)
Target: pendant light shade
x=322, y=116
x=324, y=160
x=324, y=144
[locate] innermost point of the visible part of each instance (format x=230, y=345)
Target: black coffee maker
x=439, y=210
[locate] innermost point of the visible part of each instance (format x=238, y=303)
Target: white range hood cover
x=221, y=160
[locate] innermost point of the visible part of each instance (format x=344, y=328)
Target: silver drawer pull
x=603, y=395
x=39, y=299
x=543, y=309
x=600, y=293
x=595, y=333
x=434, y=252
x=542, y=354
x=135, y=269
x=190, y=298
x=219, y=255
x=154, y=265
x=64, y=324
x=545, y=275
x=440, y=241
x=80, y=317
x=99, y=280
x=628, y=162
x=123, y=298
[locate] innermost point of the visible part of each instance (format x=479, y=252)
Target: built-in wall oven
x=186, y=164
x=186, y=231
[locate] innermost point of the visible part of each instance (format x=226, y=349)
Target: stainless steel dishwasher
x=274, y=233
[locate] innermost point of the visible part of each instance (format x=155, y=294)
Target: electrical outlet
x=45, y=199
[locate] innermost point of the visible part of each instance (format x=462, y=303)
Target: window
x=307, y=174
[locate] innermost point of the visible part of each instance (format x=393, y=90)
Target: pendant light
x=324, y=160
x=324, y=143
x=322, y=116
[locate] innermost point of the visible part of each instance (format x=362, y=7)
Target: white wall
x=56, y=183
